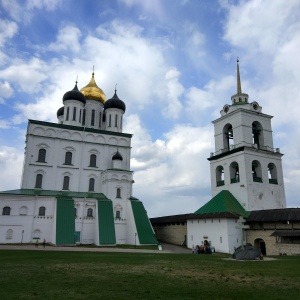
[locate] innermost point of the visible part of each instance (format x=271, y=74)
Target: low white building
x=76, y=184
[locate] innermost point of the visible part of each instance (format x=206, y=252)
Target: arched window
x=38, y=181
x=74, y=114
x=234, y=172
x=23, y=211
x=256, y=171
x=9, y=234
x=6, y=211
x=93, y=160
x=91, y=185
x=220, y=176
x=272, y=173
x=257, y=134
x=118, y=193
x=116, y=120
x=100, y=119
x=42, y=155
x=80, y=112
x=42, y=211
x=89, y=213
x=118, y=214
x=227, y=136
x=66, y=182
x=93, y=118
x=68, y=158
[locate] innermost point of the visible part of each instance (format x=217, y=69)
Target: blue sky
x=174, y=62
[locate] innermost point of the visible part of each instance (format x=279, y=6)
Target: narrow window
x=93, y=160
x=118, y=193
x=74, y=114
x=100, y=120
x=116, y=120
x=91, y=184
x=42, y=211
x=83, y=117
x=38, y=181
x=220, y=239
x=42, y=155
x=109, y=121
x=256, y=171
x=68, y=158
x=228, y=137
x=121, y=122
x=90, y=213
x=93, y=118
x=118, y=214
x=75, y=212
x=80, y=115
x=9, y=234
x=66, y=183
x=68, y=112
x=6, y=211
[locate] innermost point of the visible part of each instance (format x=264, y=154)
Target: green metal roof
x=224, y=202
x=39, y=192
x=79, y=128
x=107, y=235
x=143, y=225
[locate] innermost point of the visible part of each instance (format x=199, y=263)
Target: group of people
x=202, y=249
x=37, y=243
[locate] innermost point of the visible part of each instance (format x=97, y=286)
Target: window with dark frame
x=42, y=155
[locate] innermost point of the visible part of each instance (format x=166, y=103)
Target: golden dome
x=92, y=91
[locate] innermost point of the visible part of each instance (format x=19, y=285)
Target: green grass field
x=98, y=275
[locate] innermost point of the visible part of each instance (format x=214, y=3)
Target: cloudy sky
x=174, y=62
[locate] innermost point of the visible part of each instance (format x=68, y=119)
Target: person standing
x=44, y=243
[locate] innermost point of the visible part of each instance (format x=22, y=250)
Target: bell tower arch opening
x=257, y=134
x=227, y=136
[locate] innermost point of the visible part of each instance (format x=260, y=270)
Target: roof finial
x=116, y=88
x=93, y=72
x=76, y=80
x=239, y=87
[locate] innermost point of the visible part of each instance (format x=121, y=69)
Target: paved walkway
x=166, y=248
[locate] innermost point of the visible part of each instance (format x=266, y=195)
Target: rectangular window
x=220, y=239
x=74, y=114
x=100, y=120
x=83, y=117
x=80, y=116
x=68, y=112
x=116, y=121
x=93, y=118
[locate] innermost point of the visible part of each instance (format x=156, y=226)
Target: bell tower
x=245, y=161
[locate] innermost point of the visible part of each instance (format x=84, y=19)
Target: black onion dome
x=117, y=156
x=74, y=94
x=60, y=112
x=115, y=102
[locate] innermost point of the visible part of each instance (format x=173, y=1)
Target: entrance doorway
x=261, y=245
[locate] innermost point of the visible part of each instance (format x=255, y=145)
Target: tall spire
x=239, y=87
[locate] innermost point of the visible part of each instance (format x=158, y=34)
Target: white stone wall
x=221, y=233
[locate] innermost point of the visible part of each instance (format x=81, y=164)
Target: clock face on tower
x=255, y=105
x=226, y=108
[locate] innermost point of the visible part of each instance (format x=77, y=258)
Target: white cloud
x=67, y=40
x=28, y=75
x=5, y=91
x=11, y=161
x=7, y=30
x=258, y=25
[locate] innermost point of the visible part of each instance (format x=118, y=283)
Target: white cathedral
x=76, y=185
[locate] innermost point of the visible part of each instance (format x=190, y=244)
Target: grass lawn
x=98, y=275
